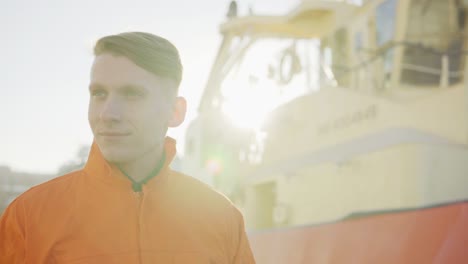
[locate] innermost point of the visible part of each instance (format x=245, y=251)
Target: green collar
x=137, y=185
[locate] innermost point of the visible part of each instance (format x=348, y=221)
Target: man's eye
x=98, y=93
x=133, y=94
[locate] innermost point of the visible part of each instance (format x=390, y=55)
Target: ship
x=340, y=129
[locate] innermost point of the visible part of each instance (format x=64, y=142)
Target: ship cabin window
x=326, y=58
x=334, y=53
x=433, y=47
x=385, y=26
x=371, y=63
x=340, y=58
x=385, y=21
x=361, y=54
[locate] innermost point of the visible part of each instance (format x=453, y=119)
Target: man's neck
x=140, y=169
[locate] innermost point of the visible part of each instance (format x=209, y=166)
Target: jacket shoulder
x=53, y=187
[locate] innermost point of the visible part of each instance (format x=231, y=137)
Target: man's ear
x=178, y=112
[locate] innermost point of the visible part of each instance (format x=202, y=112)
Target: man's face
x=129, y=109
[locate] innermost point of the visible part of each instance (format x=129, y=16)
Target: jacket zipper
x=139, y=198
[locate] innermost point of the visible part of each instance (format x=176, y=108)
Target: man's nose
x=112, y=110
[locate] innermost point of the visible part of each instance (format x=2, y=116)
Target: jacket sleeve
x=12, y=234
x=243, y=253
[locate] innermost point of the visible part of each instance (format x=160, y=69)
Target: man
x=127, y=205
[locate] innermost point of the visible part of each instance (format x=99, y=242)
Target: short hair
x=150, y=52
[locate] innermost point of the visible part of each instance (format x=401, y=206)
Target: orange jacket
x=94, y=216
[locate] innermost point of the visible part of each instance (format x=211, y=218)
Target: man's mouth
x=113, y=134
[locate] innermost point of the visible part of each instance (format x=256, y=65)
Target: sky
x=46, y=54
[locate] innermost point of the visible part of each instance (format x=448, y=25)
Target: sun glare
x=248, y=109
x=252, y=86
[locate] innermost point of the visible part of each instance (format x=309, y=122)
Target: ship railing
x=444, y=71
